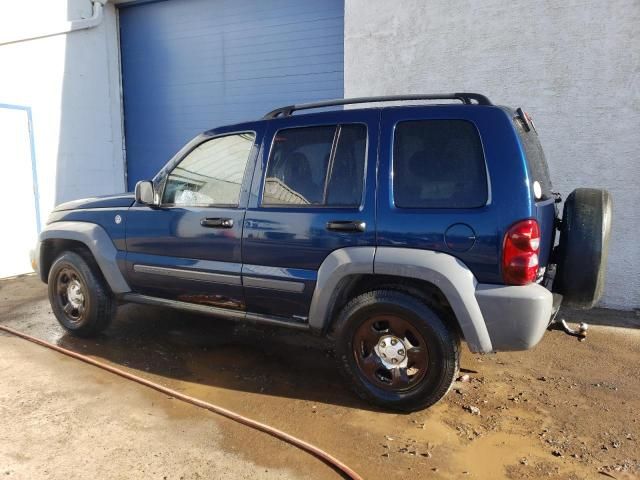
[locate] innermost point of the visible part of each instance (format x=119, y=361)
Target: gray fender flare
x=338, y=265
x=97, y=241
x=451, y=276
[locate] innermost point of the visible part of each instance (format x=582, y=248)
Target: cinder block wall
x=71, y=82
x=574, y=65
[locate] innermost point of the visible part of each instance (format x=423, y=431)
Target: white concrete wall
x=574, y=65
x=72, y=84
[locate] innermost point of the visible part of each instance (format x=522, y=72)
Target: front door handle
x=346, y=226
x=217, y=222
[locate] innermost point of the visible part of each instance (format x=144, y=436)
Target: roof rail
x=465, y=98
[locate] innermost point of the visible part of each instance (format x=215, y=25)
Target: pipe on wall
x=65, y=27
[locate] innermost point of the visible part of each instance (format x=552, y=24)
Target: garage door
x=191, y=65
x=18, y=209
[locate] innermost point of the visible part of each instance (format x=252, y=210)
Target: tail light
x=520, y=253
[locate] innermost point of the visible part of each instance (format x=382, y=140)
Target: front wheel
x=79, y=298
x=396, y=351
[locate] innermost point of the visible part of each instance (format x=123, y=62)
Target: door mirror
x=144, y=192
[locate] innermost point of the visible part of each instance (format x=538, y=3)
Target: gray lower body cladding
x=96, y=240
x=491, y=317
x=516, y=316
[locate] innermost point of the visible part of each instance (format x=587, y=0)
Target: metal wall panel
x=191, y=65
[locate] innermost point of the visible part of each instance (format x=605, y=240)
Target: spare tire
x=584, y=244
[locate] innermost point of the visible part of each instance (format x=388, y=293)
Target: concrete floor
x=566, y=409
x=63, y=419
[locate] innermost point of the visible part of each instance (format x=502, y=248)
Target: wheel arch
x=87, y=238
x=427, y=292
x=51, y=248
x=433, y=276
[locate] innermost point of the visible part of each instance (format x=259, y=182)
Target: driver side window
x=211, y=174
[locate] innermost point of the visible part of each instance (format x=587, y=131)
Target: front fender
x=96, y=240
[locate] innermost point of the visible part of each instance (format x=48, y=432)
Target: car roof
x=471, y=100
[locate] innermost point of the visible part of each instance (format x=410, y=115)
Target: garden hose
x=274, y=432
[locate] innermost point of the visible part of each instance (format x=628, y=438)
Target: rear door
x=189, y=248
x=313, y=192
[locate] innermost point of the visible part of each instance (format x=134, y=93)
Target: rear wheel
x=395, y=351
x=79, y=298
x=584, y=246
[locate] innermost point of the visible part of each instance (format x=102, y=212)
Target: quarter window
x=211, y=174
x=438, y=164
x=316, y=166
x=535, y=158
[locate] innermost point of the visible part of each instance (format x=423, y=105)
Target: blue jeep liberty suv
x=396, y=231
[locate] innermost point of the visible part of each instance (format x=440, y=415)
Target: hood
x=106, y=201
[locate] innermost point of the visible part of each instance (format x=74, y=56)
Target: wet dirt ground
x=566, y=409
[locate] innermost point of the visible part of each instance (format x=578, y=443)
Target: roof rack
x=465, y=98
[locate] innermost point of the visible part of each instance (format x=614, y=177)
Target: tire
x=376, y=313
x=583, y=248
x=79, y=298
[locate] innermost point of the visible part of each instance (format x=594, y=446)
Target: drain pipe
x=65, y=27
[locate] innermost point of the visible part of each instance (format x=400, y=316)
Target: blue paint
x=290, y=243
x=545, y=213
x=105, y=217
x=153, y=234
x=460, y=237
x=279, y=273
x=297, y=237
x=102, y=201
x=190, y=65
x=34, y=165
x=425, y=228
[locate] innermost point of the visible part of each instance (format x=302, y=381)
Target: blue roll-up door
x=191, y=65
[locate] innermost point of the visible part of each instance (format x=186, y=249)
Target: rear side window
x=438, y=164
x=536, y=161
x=316, y=166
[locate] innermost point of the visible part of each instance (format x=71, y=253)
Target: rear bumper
x=516, y=316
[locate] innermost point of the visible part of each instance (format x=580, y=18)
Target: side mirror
x=145, y=193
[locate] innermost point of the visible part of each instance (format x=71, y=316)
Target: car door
x=313, y=192
x=189, y=247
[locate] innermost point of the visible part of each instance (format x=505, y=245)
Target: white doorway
x=18, y=208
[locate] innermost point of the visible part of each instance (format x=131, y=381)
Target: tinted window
x=211, y=174
x=536, y=161
x=320, y=166
x=438, y=164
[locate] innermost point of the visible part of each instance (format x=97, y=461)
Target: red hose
x=274, y=432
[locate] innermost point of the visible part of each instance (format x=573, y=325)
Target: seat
x=298, y=177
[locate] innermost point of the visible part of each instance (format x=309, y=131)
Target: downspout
x=64, y=27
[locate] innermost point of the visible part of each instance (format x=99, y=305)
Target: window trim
x=392, y=177
x=334, y=148
x=186, y=154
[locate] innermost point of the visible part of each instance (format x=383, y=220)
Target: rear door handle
x=346, y=226
x=217, y=222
